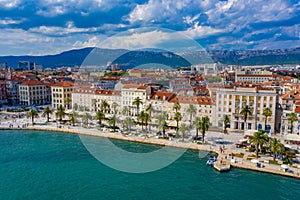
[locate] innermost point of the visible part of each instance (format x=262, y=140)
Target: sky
x=39, y=27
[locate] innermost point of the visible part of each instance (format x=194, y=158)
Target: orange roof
x=32, y=82
x=297, y=110
x=160, y=95
x=63, y=84
x=128, y=86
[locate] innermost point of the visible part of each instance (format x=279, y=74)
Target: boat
x=211, y=161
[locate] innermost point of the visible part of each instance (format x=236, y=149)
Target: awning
x=255, y=161
x=292, y=137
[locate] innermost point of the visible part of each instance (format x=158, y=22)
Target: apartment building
x=130, y=92
x=256, y=77
x=3, y=94
x=61, y=94
x=230, y=101
x=32, y=92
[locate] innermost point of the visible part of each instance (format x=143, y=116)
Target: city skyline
x=50, y=27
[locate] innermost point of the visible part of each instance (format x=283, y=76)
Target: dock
x=222, y=166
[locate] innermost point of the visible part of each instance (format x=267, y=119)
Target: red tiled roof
x=160, y=95
x=32, y=82
x=63, y=84
x=297, y=110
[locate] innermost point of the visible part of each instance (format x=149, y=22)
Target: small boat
x=211, y=161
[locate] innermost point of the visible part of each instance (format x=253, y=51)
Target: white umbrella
x=255, y=161
x=284, y=166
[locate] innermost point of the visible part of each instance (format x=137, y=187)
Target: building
x=3, y=94
x=230, y=101
x=61, y=94
x=12, y=91
x=256, y=77
x=26, y=65
x=32, y=92
x=130, y=92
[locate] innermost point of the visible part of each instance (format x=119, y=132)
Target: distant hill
x=129, y=59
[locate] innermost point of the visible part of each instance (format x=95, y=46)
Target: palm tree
x=47, y=111
x=163, y=125
x=183, y=129
x=292, y=117
x=149, y=109
x=100, y=116
x=177, y=117
x=112, y=121
x=203, y=126
x=137, y=102
x=276, y=147
x=196, y=124
x=246, y=111
x=267, y=113
x=147, y=119
x=128, y=122
x=104, y=106
x=176, y=106
x=114, y=106
x=75, y=107
x=94, y=103
x=73, y=118
x=226, y=120
x=60, y=112
x=126, y=111
x=191, y=111
x=258, y=139
x=68, y=102
x=86, y=117
x=32, y=114
x=141, y=118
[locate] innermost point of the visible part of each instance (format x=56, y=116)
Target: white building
x=32, y=92
x=230, y=101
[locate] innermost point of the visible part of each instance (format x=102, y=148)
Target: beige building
x=130, y=92
x=60, y=93
x=32, y=92
x=230, y=101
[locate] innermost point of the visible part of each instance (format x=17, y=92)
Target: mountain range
x=128, y=59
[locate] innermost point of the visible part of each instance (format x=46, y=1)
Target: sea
x=54, y=165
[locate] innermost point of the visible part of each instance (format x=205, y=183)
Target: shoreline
x=240, y=164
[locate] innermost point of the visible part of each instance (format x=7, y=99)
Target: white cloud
x=8, y=4
x=9, y=21
x=198, y=31
x=93, y=41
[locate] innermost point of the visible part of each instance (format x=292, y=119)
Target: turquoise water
x=50, y=165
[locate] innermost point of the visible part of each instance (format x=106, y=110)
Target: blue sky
x=51, y=26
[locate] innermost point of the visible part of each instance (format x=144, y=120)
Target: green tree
x=114, y=106
x=46, y=112
x=163, y=125
x=176, y=106
x=128, y=122
x=94, y=103
x=68, y=101
x=149, y=109
x=183, y=129
x=112, y=121
x=276, y=147
x=137, y=102
x=196, y=122
x=141, y=118
x=60, y=112
x=258, y=139
x=292, y=117
x=86, y=117
x=203, y=126
x=191, y=111
x=126, y=111
x=246, y=111
x=100, y=116
x=75, y=107
x=104, y=106
x=73, y=117
x=177, y=118
x=267, y=113
x=32, y=114
x=226, y=120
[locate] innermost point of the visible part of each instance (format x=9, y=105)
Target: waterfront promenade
x=228, y=146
